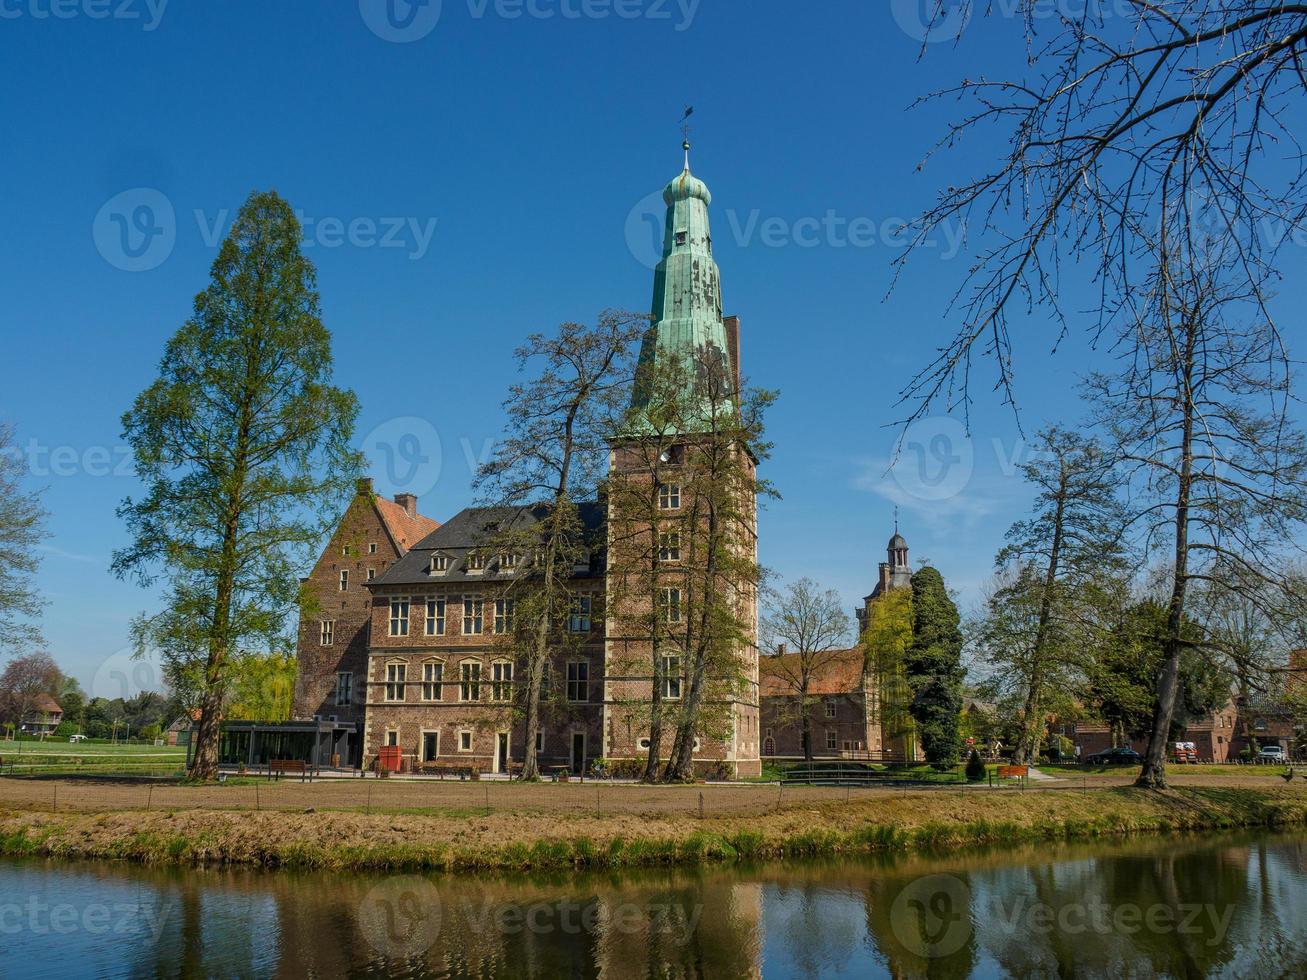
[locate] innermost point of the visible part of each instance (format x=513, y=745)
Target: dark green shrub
x=975, y=768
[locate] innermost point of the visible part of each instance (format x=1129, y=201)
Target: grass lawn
x=1172, y=769
x=57, y=757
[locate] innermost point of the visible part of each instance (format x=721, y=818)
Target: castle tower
x=688, y=334
x=894, y=573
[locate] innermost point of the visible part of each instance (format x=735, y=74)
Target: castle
x=400, y=655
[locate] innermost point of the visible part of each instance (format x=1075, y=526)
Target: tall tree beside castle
x=22, y=526
x=244, y=448
x=1055, y=562
x=555, y=454
x=933, y=668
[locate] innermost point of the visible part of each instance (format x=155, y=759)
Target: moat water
x=1229, y=906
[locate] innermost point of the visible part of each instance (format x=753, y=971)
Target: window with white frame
x=578, y=681
x=830, y=708
x=476, y=561
x=473, y=615
x=508, y=560
x=465, y=741
x=503, y=616
x=669, y=496
x=328, y=634
x=399, y=616
x=439, y=563
x=395, y=677
x=501, y=677
x=669, y=546
x=672, y=678
x=344, y=579
x=344, y=688
x=579, y=620
x=469, y=687
x=433, y=673
x=435, y=618
x=372, y=573
x=372, y=547
x=831, y=741
x=671, y=605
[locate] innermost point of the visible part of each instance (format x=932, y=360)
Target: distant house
x=43, y=717
x=179, y=732
x=1219, y=736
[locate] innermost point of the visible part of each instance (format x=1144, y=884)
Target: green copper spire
x=687, y=299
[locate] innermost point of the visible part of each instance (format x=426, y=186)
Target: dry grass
x=449, y=827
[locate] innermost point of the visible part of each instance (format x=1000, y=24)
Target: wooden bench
x=1010, y=772
x=276, y=767
x=463, y=770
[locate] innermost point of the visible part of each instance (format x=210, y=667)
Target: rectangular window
x=344, y=579
x=503, y=616
x=669, y=546
x=344, y=688
x=392, y=737
x=372, y=573
x=473, y=616
x=669, y=496
x=540, y=742
x=501, y=675
x=465, y=741
x=372, y=548
x=440, y=563
x=578, y=681
x=432, y=675
x=579, y=621
x=508, y=561
x=830, y=708
x=671, y=604
x=469, y=688
x=395, y=676
x=399, y=616
x=328, y=632
x=672, y=678
x=476, y=562
x=831, y=742
x=435, y=625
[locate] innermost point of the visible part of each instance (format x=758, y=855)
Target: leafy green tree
x=22, y=527
x=262, y=687
x=244, y=448
x=885, y=643
x=933, y=668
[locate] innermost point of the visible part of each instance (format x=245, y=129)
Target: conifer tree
x=933, y=668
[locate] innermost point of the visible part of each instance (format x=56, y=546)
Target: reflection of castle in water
x=808, y=919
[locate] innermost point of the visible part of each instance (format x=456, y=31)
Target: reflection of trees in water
x=815, y=917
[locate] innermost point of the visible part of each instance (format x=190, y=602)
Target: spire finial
x=896, y=518
x=685, y=132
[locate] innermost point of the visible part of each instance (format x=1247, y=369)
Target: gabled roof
x=467, y=530
x=406, y=530
x=837, y=672
x=47, y=705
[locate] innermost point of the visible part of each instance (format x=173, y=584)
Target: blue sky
x=476, y=176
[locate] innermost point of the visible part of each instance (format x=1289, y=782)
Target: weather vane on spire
x=685, y=132
x=896, y=518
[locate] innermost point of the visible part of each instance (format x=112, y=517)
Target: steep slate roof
x=839, y=672
x=465, y=531
x=406, y=530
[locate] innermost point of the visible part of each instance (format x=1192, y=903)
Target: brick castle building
x=410, y=641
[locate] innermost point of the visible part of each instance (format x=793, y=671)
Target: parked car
x=1271, y=753
x=1122, y=756
x=77, y=738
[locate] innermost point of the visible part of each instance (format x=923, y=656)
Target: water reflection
x=1188, y=907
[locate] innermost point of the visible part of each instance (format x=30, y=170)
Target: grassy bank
x=460, y=840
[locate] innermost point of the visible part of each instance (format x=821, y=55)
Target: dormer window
x=508, y=561
x=476, y=562
x=439, y=564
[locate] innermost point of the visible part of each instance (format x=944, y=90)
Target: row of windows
x=470, y=682
x=473, y=620
x=431, y=742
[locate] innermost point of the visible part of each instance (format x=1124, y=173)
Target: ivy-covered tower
x=688, y=333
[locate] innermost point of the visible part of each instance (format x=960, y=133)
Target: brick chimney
x=780, y=649
x=365, y=486
x=408, y=502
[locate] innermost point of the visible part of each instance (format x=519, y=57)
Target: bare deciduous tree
x=22, y=527
x=813, y=622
